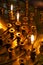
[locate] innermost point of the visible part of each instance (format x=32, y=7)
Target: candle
x=32, y=39
x=11, y=7
x=18, y=16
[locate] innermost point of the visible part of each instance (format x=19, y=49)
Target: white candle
x=17, y=16
x=11, y=7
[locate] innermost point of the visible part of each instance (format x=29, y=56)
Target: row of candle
x=1, y=26
x=12, y=12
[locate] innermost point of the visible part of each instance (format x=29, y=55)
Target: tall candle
x=17, y=16
x=32, y=39
x=11, y=7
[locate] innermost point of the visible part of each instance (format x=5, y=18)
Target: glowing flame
x=11, y=7
x=17, y=16
x=32, y=39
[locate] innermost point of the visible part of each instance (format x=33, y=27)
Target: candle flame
x=11, y=7
x=32, y=39
x=17, y=16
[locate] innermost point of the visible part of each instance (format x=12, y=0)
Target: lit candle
x=32, y=39
x=11, y=7
x=18, y=16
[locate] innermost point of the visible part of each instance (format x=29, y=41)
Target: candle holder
x=18, y=36
x=18, y=24
x=22, y=61
x=11, y=31
x=9, y=25
x=10, y=52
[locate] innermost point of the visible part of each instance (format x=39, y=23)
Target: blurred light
x=0, y=26
x=17, y=16
x=11, y=6
x=39, y=3
x=32, y=39
x=14, y=44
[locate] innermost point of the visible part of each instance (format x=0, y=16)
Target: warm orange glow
x=1, y=26
x=32, y=39
x=14, y=44
x=4, y=28
x=17, y=16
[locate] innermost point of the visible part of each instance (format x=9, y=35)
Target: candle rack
x=16, y=39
